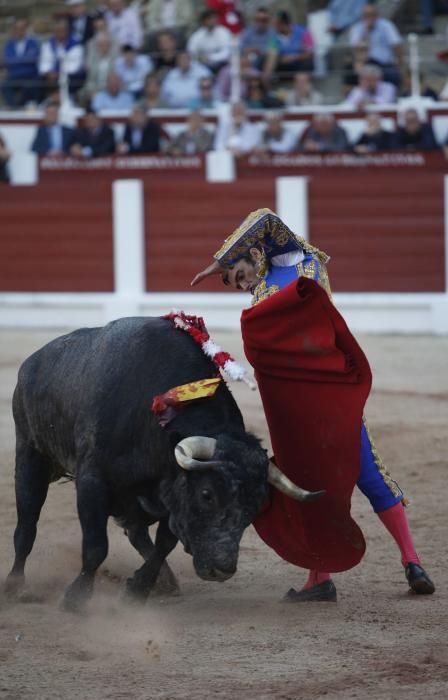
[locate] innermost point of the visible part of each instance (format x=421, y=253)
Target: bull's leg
x=139, y=586
x=139, y=538
x=93, y=511
x=32, y=478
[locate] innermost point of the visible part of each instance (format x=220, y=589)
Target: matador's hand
x=213, y=269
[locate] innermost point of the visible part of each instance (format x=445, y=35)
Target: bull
x=82, y=408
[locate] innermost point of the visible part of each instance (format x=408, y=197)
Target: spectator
x=102, y=53
x=303, y=93
x=206, y=99
x=165, y=56
x=133, y=68
x=176, y=16
x=61, y=49
x=294, y=46
x=4, y=157
x=228, y=14
x=343, y=14
x=371, y=89
x=258, y=97
x=124, y=24
x=20, y=58
x=276, y=137
x=114, y=98
x=374, y=137
x=195, y=139
x=80, y=21
x=353, y=67
x=224, y=78
x=425, y=89
x=151, y=98
x=325, y=135
x=211, y=44
x=415, y=135
x=181, y=84
x=52, y=138
x=93, y=139
x=141, y=135
x=236, y=133
x=258, y=39
x=383, y=40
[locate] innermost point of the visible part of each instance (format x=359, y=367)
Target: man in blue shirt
x=20, y=57
x=259, y=39
x=383, y=40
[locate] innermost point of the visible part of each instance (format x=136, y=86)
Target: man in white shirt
x=114, y=98
x=237, y=134
x=371, y=89
x=124, y=24
x=181, y=84
x=276, y=137
x=62, y=52
x=211, y=44
x=133, y=69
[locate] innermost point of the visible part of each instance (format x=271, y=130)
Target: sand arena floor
x=238, y=640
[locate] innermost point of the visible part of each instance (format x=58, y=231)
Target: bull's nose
x=218, y=575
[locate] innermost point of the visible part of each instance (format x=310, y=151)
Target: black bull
x=82, y=407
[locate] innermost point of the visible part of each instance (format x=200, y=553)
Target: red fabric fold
x=314, y=380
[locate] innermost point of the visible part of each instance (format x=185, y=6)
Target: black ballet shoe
x=418, y=579
x=325, y=591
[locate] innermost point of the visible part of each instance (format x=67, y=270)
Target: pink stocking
x=316, y=577
x=395, y=521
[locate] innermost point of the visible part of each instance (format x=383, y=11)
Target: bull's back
x=95, y=386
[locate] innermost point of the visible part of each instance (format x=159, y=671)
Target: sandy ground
x=238, y=639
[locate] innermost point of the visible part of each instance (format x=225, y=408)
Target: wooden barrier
x=382, y=224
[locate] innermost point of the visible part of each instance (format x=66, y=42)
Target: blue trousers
x=374, y=480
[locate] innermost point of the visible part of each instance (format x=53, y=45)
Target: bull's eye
x=206, y=495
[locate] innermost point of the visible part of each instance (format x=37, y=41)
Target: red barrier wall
x=382, y=226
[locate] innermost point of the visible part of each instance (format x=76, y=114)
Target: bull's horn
x=285, y=485
x=195, y=452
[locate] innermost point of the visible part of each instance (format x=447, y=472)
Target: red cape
x=314, y=380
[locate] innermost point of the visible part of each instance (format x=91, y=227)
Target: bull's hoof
x=14, y=585
x=134, y=593
x=166, y=583
x=76, y=596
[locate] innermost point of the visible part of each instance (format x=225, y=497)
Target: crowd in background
x=165, y=54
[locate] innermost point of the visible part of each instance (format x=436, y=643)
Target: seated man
x=383, y=40
x=195, y=139
x=80, y=21
x=124, y=23
x=293, y=47
x=52, y=138
x=165, y=54
x=114, y=98
x=62, y=50
x=257, y=95
x=258, y=39
x=181, y=85
x=133, y=68
x=236, y=133
x=211, y=44
x=324, y=135
x=94, y=138
x=374, y=137
x=303, y=92
x=276, y=137
x=415, y=135
x=20, y=58
x=206, y=99
x=141, y=135
x=371, y=90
